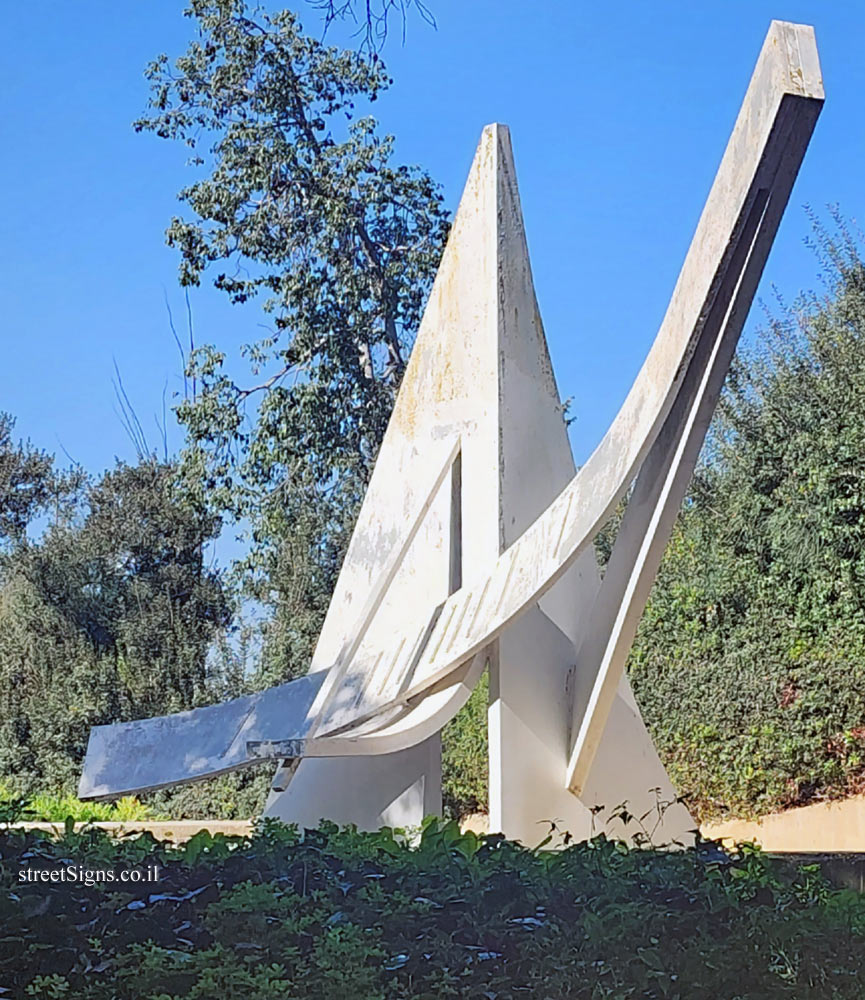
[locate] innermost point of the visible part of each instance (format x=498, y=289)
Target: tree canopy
x=108, y=611
x=298, y=203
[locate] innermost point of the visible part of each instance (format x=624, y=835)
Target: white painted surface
x=395, y=789
x=132, y=757
x=724, y=264
x=513, y=545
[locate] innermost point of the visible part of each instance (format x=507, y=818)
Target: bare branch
x=128, y=416
x=242, y=394
x=374, y=19
x=177, y=340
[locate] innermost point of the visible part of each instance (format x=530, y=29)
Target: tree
x=749, y=659
x=29, y=484
x=109, y=614
x=300, y=205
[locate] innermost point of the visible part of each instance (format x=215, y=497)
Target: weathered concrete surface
x=674, y=396
x=671, y=404
x=528, y=715
x=132, y=757
x=499, y=394
x=447, y=411
x=658, y=431
x=462, y=555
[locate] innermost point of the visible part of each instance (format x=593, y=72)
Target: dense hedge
x=342, y=915
x=749, y=664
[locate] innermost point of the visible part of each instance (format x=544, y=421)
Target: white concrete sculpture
x=474, y=544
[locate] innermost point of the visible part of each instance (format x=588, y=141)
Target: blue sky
x=619, y=115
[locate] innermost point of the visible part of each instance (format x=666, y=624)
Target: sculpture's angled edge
x=777, y=119
x=474, y=543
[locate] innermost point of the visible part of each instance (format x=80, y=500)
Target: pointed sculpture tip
x=496, y=129
x=493, y=150
x=776, y=23
x=797, y=46
x=498, y=135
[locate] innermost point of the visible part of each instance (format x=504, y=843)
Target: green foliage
x=297, y=202
x=337, y=913
x=750, y=660
x=29, y=484
x=238, y=795
x=465, y=756
x=109, y=614
x=66, y=808
x=58, y=808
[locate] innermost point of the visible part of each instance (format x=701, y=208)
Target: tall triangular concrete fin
x=449, y=397
x=479, y=377
x=479, y=387
x=532, y=431
x=528, y=721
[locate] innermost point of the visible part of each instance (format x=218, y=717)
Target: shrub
x=749, y=663
x=58, y=808
x=339, y=914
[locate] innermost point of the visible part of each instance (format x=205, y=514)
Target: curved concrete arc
x=663, y=481
x=132, y=757
x=726, y=258
x=456, y=555
x=400, y=727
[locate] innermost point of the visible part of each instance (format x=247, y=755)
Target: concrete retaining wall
x=823, y=827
